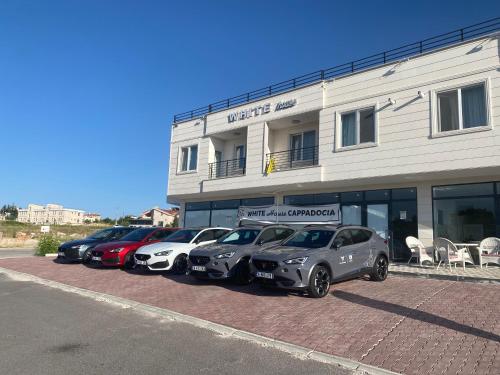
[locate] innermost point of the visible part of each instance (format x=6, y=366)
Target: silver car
x=229, y=257
x=318, y=255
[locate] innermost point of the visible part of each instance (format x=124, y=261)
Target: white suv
x=172, y=253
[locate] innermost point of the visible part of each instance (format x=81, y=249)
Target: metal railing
x=227, y=168
x=291, y=159
x=408, y=50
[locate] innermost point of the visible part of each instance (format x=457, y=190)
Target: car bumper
x=69, y=255
x=215, y=269
x=154, y=263
x=284, y=276
x=112, y=260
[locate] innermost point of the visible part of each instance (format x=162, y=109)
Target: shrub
x=47, y=244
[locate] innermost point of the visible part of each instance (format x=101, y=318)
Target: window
x=360, y=235
x=358, y=127
x=302, y=145
x=240, y=156
x=189, y=158
x=462, y=108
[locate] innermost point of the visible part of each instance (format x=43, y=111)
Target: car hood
x=83, y=241
x=160, y=246
x=217, y=248
x=116, y=244
x=279, y=253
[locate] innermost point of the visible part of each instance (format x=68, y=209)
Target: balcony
x=291, y=159
x=227, y=168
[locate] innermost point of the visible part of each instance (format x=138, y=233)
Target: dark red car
x=121, y=253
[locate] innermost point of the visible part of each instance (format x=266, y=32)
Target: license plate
x=265, y=275
x=96, y=258
x=61, y=254
x=141, y=262
x=199, y=268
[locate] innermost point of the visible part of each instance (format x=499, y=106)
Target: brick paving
x=407, y=325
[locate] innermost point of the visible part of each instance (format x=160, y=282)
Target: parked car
x=172, y=253
x=121, y=253
x=80, y=250
x=229, y=256
x=316, y=256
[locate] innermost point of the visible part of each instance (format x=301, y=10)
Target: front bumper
x=69, y=254
x=215, y=269
x=286, y=276
x=153, y=262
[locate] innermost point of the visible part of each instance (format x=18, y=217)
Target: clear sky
x=88, y=88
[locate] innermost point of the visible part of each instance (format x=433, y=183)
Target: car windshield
x=311, y=238
x=240, y=237
x=101, y=234
x=182, y=236
x=138, y=234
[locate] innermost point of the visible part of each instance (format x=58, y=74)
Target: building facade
x=91, y=217
x=159, y=217
x=50, y=214
x=410, y=147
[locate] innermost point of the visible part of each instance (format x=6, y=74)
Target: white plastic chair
x=489, y=251
x=418, y=250
x=448, y=253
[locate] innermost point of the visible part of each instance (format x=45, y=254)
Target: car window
x=283, y=233
x=119, y=233
x=220, y=232
x=182, y=236
x=208, y=235
x=344, y=238
x=267, y=235
x=360, y=235
x=160, y=235
x=310, y=238
x=239, y=237
x=138, y=234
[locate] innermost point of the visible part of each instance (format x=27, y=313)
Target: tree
x=107, y=220
x=175, y=223
x=124, y=220
x=10, y=211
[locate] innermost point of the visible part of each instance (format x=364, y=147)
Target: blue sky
x=88, y=88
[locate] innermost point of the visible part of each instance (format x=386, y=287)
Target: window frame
x=181, y=159
x=435, y=110
x=357, y=110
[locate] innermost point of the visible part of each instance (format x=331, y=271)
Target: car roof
x=336, y=227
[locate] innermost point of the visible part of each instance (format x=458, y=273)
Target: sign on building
x=292, y=214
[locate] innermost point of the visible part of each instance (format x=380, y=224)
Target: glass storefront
x=222, y=213
x=391, y=212
x=467, y=212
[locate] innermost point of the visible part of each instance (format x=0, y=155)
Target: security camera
x=421, y=94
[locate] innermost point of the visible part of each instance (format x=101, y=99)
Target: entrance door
x=218, y=164
x=377, y=218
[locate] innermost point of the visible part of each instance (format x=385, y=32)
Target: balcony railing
x=396, y=54
x=291, y=159
x=227, y=168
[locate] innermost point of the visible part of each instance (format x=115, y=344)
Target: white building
x=91, y=217
x=408, y=147
x=49, y=214
x=157, y=216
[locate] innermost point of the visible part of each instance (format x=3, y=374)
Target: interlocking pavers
x=403, y=324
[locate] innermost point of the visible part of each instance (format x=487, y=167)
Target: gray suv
x=229, y=257
x=317, y=255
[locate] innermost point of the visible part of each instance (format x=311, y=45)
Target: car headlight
x=80, y=247
x=163, y=253
x=225, y=255
x=300, y=260
x=117, y=250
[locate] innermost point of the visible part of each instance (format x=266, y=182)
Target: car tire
x=180, y=264
x=380, y=268
x=87, y=256
x=129, y=262
x=319, y=282
x=242, y=274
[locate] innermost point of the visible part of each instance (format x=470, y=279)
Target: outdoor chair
x=418, y=251
x=489, y=251
x=448, y=253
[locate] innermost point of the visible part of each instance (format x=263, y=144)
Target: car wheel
x=380, y=268
x=242, y=274
x=87, y=256
x=319, y=282
x=180, y=264
x=129, y=262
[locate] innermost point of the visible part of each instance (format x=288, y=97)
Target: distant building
x=156, y=216
x=2, y=217
x=49, y=214
x=91, y=217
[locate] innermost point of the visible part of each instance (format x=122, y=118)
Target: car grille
x=70, y=253
x=142, y=256
x=96, y=253
x=112, y=260
x=159, y=265
x=264, y=265
x=199, y=260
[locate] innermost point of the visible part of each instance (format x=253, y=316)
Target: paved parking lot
x=407, y=325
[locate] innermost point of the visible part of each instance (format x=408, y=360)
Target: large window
x=464, y=213
x=358, y=127
x=189, y=158
x=462, y=108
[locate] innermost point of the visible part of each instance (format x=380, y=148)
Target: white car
x=172, y=253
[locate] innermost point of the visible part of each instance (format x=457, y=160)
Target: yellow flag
x=270, y=166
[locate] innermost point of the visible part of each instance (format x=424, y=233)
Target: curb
x=225, y=331
x=468, y=279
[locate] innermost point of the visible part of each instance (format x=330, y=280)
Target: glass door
x=377, y=218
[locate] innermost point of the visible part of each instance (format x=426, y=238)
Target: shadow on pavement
x=415, y=314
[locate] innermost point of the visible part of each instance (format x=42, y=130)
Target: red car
x=121, y=253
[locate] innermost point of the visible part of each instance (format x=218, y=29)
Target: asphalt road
x=48, y=331
x=15, y=252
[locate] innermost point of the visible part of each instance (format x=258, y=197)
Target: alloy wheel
x=322, y=282
x=382, y=268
